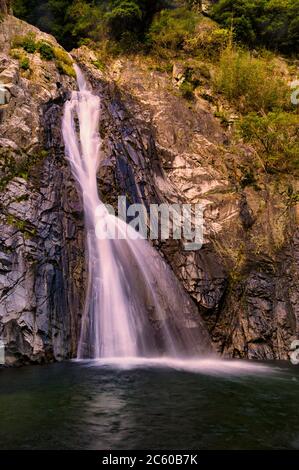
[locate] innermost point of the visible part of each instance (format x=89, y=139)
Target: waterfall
x=135, y=306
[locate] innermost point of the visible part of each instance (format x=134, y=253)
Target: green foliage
x=208, y=42
x=171, y=28
x=31, y=45
x=25, y=63
x=72, y=22
x=22, y=58
x=46, y=50
x=64, y=62
x=275, y=136
x=20, y=8
x=272, y=23
x=99, y=65
x=186, y=90
x=85, y=21
x=125, y=15
x=66, y=69
x=17, y=164
x=27, y=229
x=62, y=56
x=27, y=42
x=48, y=15
x=250, y=83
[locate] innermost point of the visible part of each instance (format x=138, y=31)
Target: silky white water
x=135, y=307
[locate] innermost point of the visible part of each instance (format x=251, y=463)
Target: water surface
x=150, y=406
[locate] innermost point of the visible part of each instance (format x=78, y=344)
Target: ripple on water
x=209, y=366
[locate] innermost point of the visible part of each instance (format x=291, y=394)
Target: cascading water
x=135, y=307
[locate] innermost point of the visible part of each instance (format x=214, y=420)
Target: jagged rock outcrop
x=41, y=240
x=157, y=147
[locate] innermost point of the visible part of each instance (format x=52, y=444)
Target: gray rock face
x=41, y=237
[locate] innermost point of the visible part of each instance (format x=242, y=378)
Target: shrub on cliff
x=27, y=42
x=275, y=136
x=208, y=41
x=171, y=28
x=251, y=83
x=46, y=50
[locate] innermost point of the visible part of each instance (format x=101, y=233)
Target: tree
x=72, y=21
x=272, y=23
x=5, y=6
x=126, y=15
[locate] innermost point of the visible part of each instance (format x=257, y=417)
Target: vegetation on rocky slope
x=24, y=46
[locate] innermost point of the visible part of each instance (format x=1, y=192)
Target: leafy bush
x=171, y=28
x=66, y=69
x=126, y=15
x=46, y=50
x=48, y=15
x=186, y=90
x=21, y=57
x=62, y=56
x=250, y=83
x=85, y=21
x=25, y=63
x=27, y=42
x=73, y=21
x=31, y=45
x=64, y=62
x=275, y=136
x=272, y=23
x=208, y=42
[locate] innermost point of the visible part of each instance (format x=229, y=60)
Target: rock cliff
x=157, y=147
x=41, y=241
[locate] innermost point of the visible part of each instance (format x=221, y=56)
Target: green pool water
x=93, y=406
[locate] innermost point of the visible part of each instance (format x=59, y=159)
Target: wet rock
x=41, y=241
x=246, y=214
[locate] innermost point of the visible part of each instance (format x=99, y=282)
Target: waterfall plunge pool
x=150, y=404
